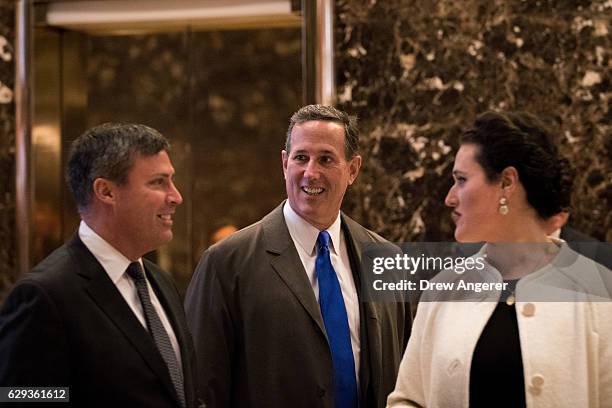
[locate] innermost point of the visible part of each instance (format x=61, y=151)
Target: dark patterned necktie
x=335, y=318
x=157, y=331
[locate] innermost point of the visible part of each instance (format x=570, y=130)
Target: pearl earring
x=503, y=206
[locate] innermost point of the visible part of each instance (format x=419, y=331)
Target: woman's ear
x=509, y=179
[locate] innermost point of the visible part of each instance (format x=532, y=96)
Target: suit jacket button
x=321, y=392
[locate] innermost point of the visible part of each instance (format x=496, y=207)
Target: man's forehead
x=322, y=132
x=158, y=163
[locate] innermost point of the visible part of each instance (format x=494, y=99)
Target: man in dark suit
x=600, y=252
x=277, y=309
x=87, y=317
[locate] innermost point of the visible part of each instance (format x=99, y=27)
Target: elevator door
x=222, y=98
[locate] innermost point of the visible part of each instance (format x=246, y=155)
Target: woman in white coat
x=546, y=341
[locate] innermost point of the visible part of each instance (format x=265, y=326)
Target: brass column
x=23, y=136
x=319, y=85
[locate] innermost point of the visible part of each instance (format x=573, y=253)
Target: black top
x=496, y=377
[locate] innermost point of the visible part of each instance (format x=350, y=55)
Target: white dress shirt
x=304, y=237
x=115, y=265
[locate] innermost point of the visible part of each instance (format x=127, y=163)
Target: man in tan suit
x=259, y=302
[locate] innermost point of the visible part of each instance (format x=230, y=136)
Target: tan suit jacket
x=259, y=335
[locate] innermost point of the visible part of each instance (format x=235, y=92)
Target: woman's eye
x=460, y=179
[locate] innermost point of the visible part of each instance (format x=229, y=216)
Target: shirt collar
x=306, y=235
x=113, y=261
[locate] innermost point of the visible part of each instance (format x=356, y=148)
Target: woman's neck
x=517, y=259
x=523, y=248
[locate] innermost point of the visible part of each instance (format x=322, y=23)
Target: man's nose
x=312, y=169
x=174, y=195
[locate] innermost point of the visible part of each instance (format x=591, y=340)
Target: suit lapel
x=371, y=349
x=105, y=294
x=288, y=264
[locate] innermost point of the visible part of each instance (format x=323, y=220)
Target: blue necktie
x=337, y=327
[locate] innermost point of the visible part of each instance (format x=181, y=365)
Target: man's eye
x=460, y=179
x=299, y=157
x=326, y=160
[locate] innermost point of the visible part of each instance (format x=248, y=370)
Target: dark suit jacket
x=66, y=324
x=259, y=335
x=600, y=252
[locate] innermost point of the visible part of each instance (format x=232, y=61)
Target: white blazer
x=564, y=314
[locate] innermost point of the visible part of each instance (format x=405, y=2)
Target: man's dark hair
x=331, y=114
x=521, y=140
x=107, y=151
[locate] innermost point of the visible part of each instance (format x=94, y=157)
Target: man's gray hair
x=331, y=114
x=107, y=151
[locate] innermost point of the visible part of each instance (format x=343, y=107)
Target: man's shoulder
x=253, y=235
x=570, y=234
x=52, y=277
x=239, y=239
x=360, y=233
x=55, y=267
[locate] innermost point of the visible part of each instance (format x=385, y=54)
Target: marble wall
x=7, y=148
x=416, y=72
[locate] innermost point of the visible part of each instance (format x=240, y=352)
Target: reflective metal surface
x=223, y=98
x=23, y=185
x=128, y=17
x=325, y=79
x=74, y=89
x=318, y=80
x=46, y=146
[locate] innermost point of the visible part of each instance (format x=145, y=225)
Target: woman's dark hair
x=520, y=140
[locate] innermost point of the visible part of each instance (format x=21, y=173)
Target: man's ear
x=104, y=190
x=354, y=166
x=509, y=180
x=284, y=159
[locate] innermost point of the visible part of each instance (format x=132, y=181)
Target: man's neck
x=113, y=238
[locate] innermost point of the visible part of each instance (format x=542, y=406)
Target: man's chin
x=164, y=238
x=308, y=211
x=168, y=237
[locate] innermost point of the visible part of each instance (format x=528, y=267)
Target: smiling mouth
x=313, y=190
x=165, y=217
